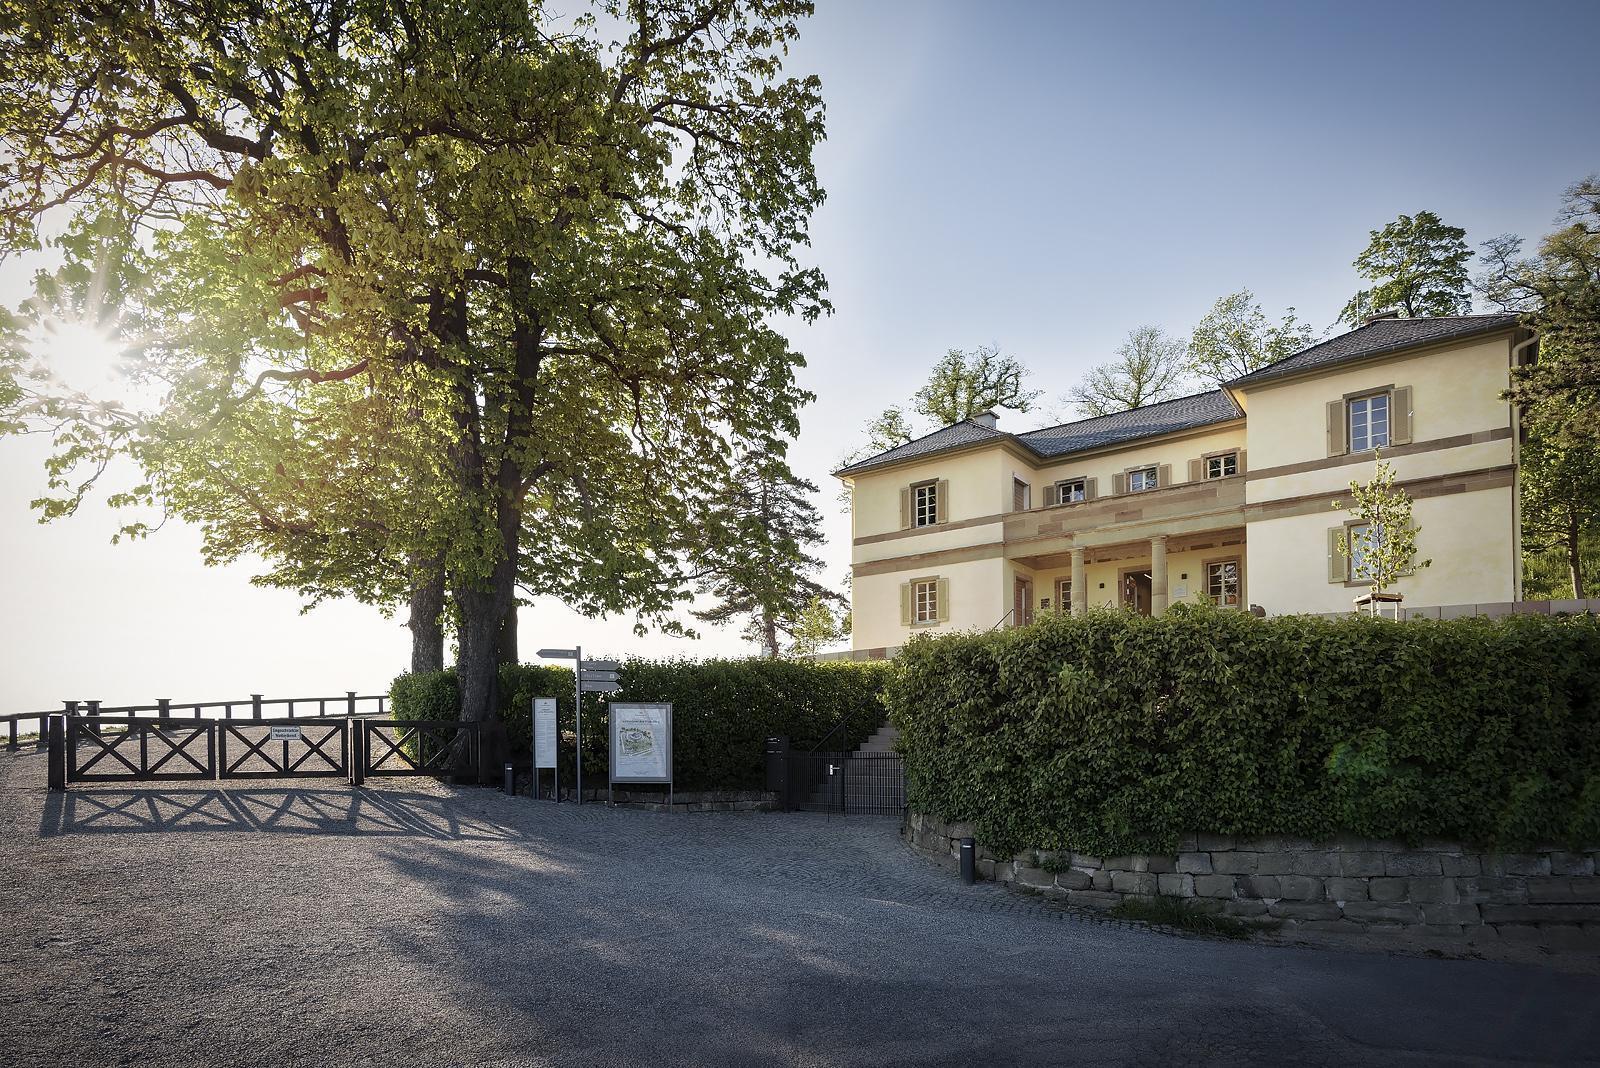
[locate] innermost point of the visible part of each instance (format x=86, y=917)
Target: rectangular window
x=1063, y=595
x=1369, y=422
x=1222, y=582
x=1021, y=495
x=925, y=504
x=1364, y=538
x=1224, y=466
x=925, y=601
x=1073, y=489
x=1142, y=479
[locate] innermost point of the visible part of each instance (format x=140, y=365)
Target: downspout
x=1516, y=473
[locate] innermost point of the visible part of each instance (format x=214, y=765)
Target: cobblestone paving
x=411, y=924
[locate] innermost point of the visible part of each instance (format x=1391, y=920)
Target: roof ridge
x=1124, y=411
x=1297, y=354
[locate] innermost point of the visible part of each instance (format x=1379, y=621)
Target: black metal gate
x=854, y=784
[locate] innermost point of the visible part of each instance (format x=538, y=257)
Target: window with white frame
x=1143, y=478
x=1063, y=595
x=1222, y=582
x=1070, y=490
x=1223, y=466
x=925, y=504
x=1364, y=539
x=1369, y=422
x=925, y=601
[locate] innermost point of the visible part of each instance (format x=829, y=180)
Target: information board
x=641, y=742
x=544, y=732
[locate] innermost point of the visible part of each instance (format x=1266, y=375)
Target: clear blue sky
x=1042, y=177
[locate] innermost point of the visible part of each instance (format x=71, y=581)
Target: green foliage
x=964, y=384
x=1182, y=914
x=1235, y=337
x=1150, y=366
x=1388, y=551
x=1114, y=733
x=1418, y=265
x=723, y=711
x=1547, y=573
x=817, y=628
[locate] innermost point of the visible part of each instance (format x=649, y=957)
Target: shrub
x=1112, y=733
x=723, y=711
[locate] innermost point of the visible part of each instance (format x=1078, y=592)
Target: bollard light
x=511, y=780
x=969, y=867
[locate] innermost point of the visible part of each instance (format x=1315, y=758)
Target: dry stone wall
x=1353, y=886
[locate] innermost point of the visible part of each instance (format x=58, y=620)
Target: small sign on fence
x=284, y=732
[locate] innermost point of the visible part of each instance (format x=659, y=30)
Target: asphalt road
x=410, y=924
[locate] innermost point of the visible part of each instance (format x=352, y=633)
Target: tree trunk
x=508, y=636
x=769, y=634
x=427, y=615
x=1575, y=560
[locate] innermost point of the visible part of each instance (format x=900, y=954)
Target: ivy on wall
x=723, y=711
x=1113, y=733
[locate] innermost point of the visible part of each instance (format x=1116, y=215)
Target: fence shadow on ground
x=189, y=810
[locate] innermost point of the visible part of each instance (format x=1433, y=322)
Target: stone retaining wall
x=682, y=800
x=1353, y=886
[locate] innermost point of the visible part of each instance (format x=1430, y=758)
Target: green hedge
x=723, y=711
x=1112, y=733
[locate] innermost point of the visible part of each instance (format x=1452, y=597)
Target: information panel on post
x=544, y=732
x=641, y=743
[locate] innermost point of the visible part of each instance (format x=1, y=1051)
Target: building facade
x=1224, y=496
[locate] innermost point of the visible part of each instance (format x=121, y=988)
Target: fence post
x=358, y=752
x=164, y=707
x=94, y=710
x=350, y=702
x=58, y=751
x=255, y=706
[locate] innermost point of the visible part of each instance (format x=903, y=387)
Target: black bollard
x=511, y=780
x=969, y=867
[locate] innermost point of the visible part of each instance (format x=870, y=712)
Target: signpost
x=598, y=676
x=641, y=745
x=545, y=743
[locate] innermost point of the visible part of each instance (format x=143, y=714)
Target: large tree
x=1150, y=366
x=1417, y=265
x=1558, y=292
x=559, y=254
x=1235, y=337
x=964, y=384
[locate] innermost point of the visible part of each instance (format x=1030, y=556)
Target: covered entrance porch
x=1145, y=576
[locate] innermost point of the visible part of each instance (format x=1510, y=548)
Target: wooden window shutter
x=1338, y=565
x=905, y=604
x=1089, y=489
x=1197, y=470
x=1338, y=444
x=1241, y=461
x=1164, y=476
x=1119, y=483
x=943, y=600
x=1400, y=416
x=905, y=507
x=941, y=502
x=1050, y=497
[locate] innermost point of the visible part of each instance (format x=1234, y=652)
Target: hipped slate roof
x=1184, y=413
x=1376, y=338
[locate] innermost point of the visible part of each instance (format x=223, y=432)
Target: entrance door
x=1136, y=591
x=1022, y=602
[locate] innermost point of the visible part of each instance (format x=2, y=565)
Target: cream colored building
x=1225, y=495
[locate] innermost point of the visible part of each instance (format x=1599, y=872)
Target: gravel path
x=411, y=924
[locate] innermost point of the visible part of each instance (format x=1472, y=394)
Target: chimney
x=989, y=419
x=1386, y=313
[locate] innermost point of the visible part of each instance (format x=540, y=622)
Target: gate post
x=350, y=702
x=163, y=707
x=778, y=769
x=58, y=752
x=94, y=710
x=255, y=706
x=358, y=751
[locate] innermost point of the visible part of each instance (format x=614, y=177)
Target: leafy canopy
x=1150, y=366
x=1416, y=264
x=1235, y=337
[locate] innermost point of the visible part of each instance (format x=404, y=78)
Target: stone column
x=1080, y=585
x=1158, y=575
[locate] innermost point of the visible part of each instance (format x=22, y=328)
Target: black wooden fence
x=255, y=706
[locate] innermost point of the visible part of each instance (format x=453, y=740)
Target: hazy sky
x=1042, y=177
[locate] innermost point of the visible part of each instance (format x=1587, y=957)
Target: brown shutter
x=905, y=507
x=1338, y=443
x=1400, y=416
x=1050, y=492
x=1241, y=461
x=1338, y=564
x=1089, y=489
x=1119, y=483
x=941, y=502
x=1164, y=476
x=905, y=604
x=943, y=597
x=1197, y=470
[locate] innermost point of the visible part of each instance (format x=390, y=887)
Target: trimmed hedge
x=1112, y=733
x=723, y=711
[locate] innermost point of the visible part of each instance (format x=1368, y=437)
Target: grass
x=1179, y=913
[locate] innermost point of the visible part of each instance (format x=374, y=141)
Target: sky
x=1039, y=177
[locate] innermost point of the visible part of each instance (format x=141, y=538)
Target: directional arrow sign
x=599, y=686
x=601, y=665
x=558, y=654
x=599, y=676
